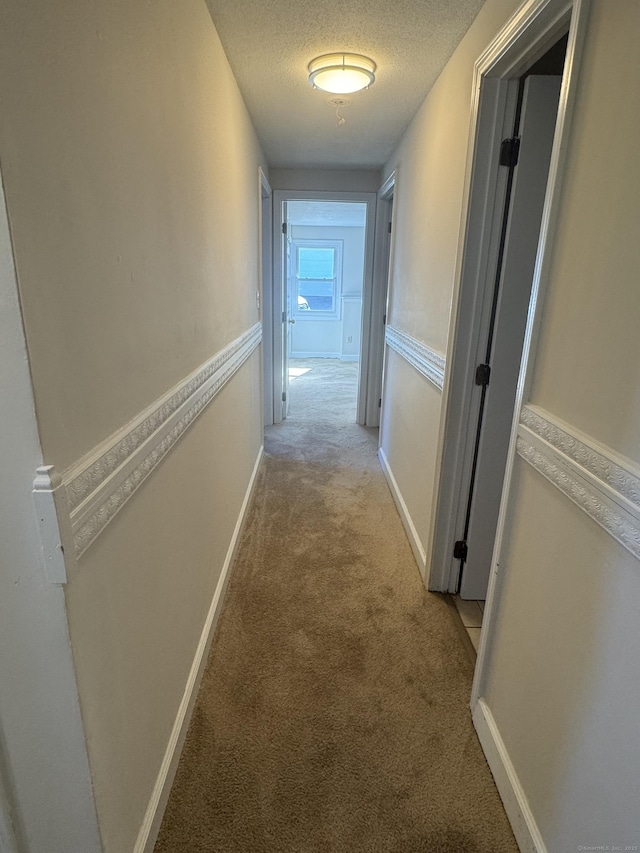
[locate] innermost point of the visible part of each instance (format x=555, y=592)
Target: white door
x=265, y=309
x=377, y=347
x=290, y=316
x=504, y=347
x=380, y=371
x=285, y=302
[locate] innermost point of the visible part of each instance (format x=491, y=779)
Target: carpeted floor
x=333, y=716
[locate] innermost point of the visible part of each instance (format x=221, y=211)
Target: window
x=317, y=279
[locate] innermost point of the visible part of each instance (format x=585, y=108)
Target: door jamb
x=524, y=39
x=280, y=196
x=265, y=308
x=497, y=107
x=382, y=266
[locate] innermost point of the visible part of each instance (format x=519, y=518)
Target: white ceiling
x=270, y=42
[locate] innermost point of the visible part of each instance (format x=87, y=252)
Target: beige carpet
x=333, y=716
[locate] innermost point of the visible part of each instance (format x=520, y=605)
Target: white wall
x=430, y=165
x=44, y=767
x=561, y=673
x=311, y=337
x=123, y=140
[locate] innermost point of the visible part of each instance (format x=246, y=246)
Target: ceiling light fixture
x=341, y=73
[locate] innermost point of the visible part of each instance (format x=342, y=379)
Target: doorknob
x=291, y=320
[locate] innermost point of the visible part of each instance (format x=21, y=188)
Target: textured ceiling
x=270, y=42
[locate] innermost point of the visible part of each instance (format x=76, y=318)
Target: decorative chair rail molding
x=425, y=360
x=91, y=492
x=602, y=484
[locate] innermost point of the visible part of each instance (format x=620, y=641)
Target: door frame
x=265, y=295
x=523, y=40
x=279, y=307
x=501, y=348
x=382, y=266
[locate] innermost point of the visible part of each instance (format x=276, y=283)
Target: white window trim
x=309, y=316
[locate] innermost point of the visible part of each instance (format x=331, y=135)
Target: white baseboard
x=511, y=792
x=414, y=540
x=160, y=795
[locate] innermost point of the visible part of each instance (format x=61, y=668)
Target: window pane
x=315, y=263
x=315, y=295
x=316, y=279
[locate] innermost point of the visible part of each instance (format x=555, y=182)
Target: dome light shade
x=341, y=73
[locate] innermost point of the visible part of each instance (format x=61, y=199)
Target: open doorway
x=519, y=115
x=526, y=157
x=326, y=251
x=322, y=302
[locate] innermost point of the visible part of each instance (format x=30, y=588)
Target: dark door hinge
x=483, y=373
x=284, y=396
x=460, y=550
x=384, y=320
x=284, y=227
x=380, y=403
x=509, y=150
x=389, y=228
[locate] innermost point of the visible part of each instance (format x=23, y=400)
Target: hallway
x=333, y=715
x=148, y=155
